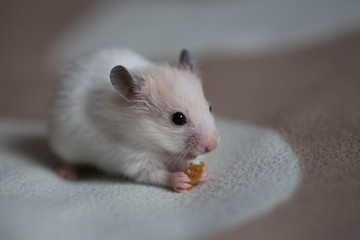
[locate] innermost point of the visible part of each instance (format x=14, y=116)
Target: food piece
x=194, y=172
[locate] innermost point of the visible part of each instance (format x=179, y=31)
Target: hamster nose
x=211, y=145
x=213, y=142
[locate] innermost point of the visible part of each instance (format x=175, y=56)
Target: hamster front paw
x=180, y=182
x=204, y=174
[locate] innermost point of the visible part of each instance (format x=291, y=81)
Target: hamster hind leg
x=68, y=171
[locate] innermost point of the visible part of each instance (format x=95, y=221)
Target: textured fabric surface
x=251, y=172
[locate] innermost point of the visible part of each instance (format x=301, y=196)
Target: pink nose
x=211, y=145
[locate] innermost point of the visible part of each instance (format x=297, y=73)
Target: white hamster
x=126, y=115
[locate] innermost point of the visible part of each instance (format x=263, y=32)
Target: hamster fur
x=115, y=110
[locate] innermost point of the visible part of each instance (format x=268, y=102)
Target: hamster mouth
x=190, y=156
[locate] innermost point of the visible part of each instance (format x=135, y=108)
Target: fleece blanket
x=253, y=170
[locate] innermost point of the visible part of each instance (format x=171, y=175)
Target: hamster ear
x=185, y=61
x=126, y=83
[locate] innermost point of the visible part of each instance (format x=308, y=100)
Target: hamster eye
x=210, y=109
x=179, y=118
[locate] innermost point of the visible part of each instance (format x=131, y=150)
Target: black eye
x=210, y=109
x=179, y=118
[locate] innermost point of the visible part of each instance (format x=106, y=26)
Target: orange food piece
x=194, y=172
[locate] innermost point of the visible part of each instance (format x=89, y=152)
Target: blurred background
x=289, y=65
x=38, y=36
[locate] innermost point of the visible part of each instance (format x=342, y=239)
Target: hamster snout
x=212, y=144
x=206, y=142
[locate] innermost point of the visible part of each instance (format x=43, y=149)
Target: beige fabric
x=311, y=97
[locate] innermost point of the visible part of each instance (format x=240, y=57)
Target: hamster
x=125, y=115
